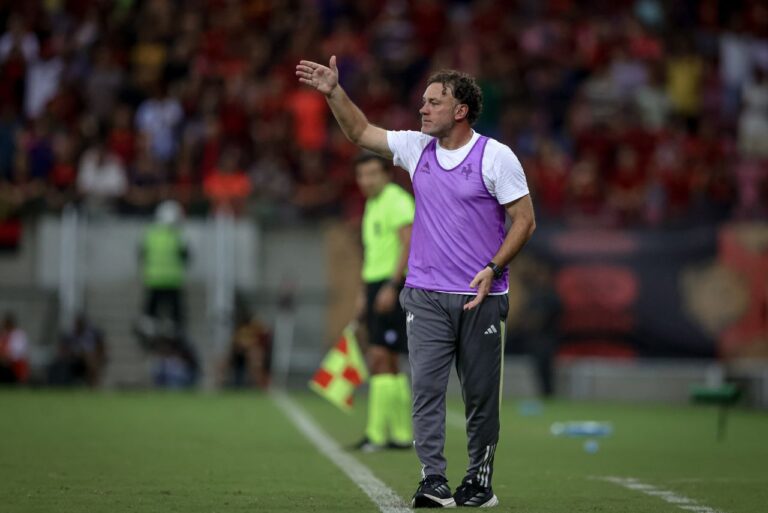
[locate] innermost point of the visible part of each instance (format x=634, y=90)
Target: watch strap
x=498, y=272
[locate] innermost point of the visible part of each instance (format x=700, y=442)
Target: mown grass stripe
x=383, y=496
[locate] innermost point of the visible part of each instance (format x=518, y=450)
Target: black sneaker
x=433, y=492
x=471, y=494
x=367, y=446
x=399, y=446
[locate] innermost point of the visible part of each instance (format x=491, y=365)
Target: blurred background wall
x=642, y=126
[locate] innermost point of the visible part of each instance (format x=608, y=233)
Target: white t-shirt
x=502, y=173
x=17, y=345
x=105, y=179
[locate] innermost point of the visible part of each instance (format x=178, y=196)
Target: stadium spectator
x=228, y=186
x=42, y=81
x=19, y=39
x=81, y=356
x=211, y=145
x=19, y=48
x=735, y=56
x=586, y=193
x=248, y=360
x=103, y=84
x=602, y=96
x=14, y=351
x=537, y=333
x=157, y=121
x=9, y=128
x=550, y=175
x=750, y=179
x=316, y=193
x=38, y=146
x=63, y=178
x=753, y=123
x=122, y=138
x=685, y=71
x=272, y=184
x=175, y=364
x=184, y=187
x=148, y=57
x=652, y=102
x=309, y=120
x=101, y=178
x=627, y=187
x=146, y=186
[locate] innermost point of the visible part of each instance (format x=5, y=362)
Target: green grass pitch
x=164, y=452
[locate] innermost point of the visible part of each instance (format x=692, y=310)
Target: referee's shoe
x=433, y=492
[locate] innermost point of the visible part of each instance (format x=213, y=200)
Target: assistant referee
x=386, y=231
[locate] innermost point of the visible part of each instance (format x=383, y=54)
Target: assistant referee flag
x=341, y=371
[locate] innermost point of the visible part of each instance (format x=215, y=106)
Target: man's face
x=438, y=112
x=371, y=177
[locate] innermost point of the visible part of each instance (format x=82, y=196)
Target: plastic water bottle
x=584, y=428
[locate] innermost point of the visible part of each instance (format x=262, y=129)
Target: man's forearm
x=523, y=226
x=516, y=237
x=349, y=116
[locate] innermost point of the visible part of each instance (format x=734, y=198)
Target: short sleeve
x=406, y=147
x=506, y=178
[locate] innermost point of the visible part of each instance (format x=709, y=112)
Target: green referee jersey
x=384, y=215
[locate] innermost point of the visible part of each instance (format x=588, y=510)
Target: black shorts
x=385, y=330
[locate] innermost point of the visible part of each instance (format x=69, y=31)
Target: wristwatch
x=497, y=271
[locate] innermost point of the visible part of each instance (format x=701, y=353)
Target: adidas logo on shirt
x=492, y=330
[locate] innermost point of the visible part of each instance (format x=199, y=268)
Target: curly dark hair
x=464, y=88
x=367, y=156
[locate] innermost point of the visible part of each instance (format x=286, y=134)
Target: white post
x=221, y=289
x=70, y=283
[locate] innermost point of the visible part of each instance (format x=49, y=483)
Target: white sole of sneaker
x=433, y=502
x=494, y=501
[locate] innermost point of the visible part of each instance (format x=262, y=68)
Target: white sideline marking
x=680, y=501
x=741, y=480
x=383, y=496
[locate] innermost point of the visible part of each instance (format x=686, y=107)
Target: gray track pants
x=438, y=329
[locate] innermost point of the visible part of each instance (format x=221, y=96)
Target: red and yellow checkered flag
x=341, y=372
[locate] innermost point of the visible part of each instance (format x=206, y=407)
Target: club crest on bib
x=466, y=171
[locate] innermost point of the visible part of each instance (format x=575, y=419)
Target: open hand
x=482, y=282
x=324, y=79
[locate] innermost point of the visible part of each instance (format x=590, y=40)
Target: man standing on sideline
x=455, y=295
x=386, y=234
x=164, y=256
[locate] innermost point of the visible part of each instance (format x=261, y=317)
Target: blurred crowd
x=623, y=112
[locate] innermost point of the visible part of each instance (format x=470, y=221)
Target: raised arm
x=351, y=119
